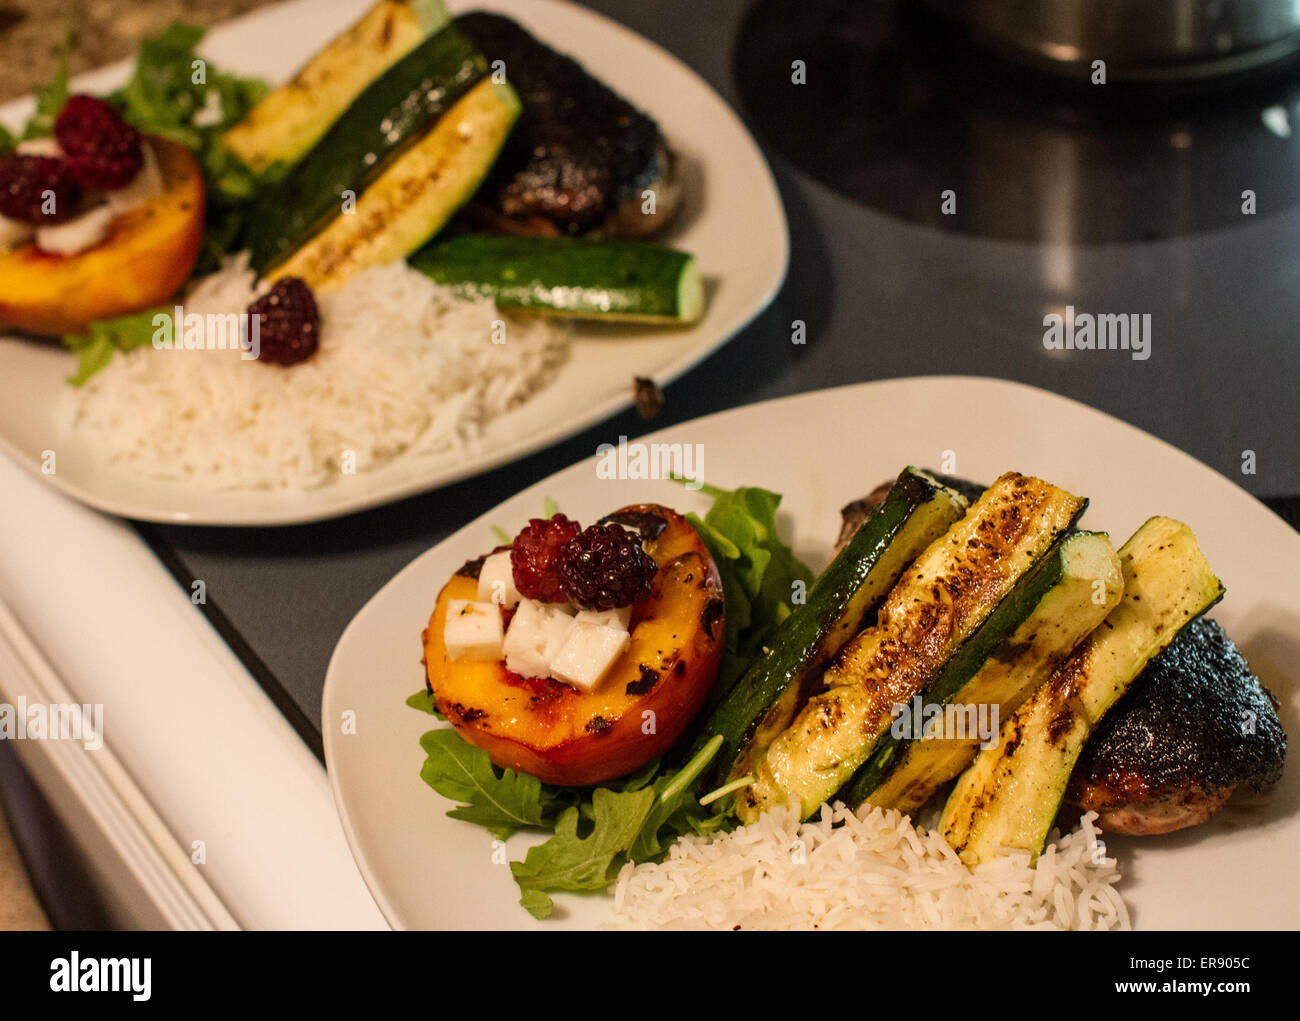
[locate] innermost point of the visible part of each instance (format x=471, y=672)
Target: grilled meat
x=580, y=156
x=1193, y=727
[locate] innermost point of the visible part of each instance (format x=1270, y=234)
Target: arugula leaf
x=499, y=800
x=423, y=700
x=7, y=140
x=95, y=348
x=570, y=861
x=50, y=99
x=758, y=572
x=178, y=95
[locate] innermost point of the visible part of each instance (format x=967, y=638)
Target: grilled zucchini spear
x=946, y=594
x=292, y=118
x=1029, y=635
x=1010, y=795
x=767, y=695
x=415, y=196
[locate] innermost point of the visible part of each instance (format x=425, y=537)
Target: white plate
x=822, y=450
x=732, y=221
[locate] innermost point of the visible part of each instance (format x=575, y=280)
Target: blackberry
x=535, y=558
x=103, y=151
x=289, y=330
x=26, y=182
x=604, y=567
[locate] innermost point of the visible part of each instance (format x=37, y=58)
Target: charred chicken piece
x=1195, y=726
x=580, y=157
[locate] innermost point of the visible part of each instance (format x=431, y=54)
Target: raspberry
x=535, y=558
x=605, y=567
x=26, y=182
x=289, y=330
x=103, y=150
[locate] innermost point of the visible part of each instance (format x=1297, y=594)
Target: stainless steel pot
x=1137, y=39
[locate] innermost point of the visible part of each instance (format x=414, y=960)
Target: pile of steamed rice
x=404, y=368
x=867, y=870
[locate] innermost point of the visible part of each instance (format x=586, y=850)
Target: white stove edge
x=193, y=750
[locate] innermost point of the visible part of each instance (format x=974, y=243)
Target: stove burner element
x=899, y=107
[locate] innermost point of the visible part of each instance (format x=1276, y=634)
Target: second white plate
x=821, y=450
x=732, y=221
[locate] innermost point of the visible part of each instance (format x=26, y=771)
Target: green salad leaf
x=175, y=93
x=423, y=701
x=596, y=831
x=95, y=348
x=583, y=863
x=50, y=99
x=759, y=572
x=499, y=800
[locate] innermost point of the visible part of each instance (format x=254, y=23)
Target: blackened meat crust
x=1186, y=725
x=579, y=149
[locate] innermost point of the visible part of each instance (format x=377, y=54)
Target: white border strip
x=204, y=745
x=111, y=799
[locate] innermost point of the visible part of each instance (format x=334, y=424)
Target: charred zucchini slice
x=771, y=690
x=1033, y=629
x=292, y=118
x=414, y=198
x=1010, y=795
x=942, y=599
x=384, y=121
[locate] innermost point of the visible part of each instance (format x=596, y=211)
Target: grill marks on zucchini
x=386, y=119
x=766, y=697
x=415, y=196
x=1053, y=607
x=291, y=119
x=946, y=594
x=1010, y=795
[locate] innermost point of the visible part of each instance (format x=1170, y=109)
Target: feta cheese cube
x=473, y=630
x=496, y=581
x=588, y=652
x=619, y=618
x=535, y=636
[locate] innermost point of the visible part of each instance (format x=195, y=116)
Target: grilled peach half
x=563, y=735
x=147, y=255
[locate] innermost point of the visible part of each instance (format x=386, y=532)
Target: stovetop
x=1113, y=201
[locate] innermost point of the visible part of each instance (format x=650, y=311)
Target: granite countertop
x=103, y=31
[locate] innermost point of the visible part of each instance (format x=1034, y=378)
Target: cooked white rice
x=867, y=870
x=404, y=367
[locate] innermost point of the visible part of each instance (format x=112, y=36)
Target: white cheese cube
x=77, y=235
x=496, y=581
x=618, y=619
x=473, y=630
x=535, y=636
x=588, y=653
